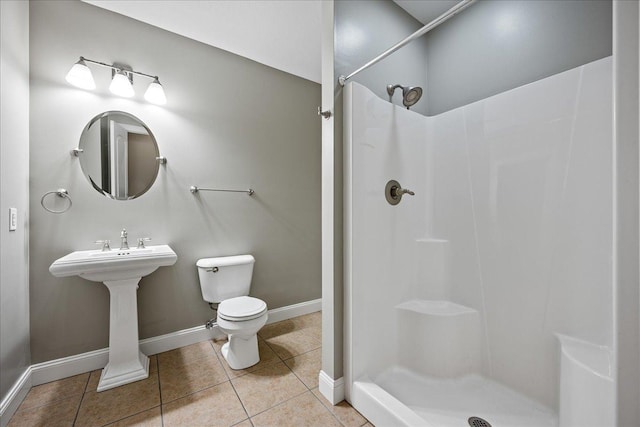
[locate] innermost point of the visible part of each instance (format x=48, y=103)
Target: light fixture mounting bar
x=116, y=67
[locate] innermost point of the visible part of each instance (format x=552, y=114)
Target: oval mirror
x=119, y=155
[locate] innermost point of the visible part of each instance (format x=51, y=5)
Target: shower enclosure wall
x=489, y=293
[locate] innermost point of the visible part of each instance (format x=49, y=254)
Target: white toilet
x=226, y=280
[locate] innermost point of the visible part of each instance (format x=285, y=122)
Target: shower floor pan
x=400, y=397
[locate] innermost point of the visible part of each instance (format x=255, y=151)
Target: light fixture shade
x=121, y=86
x=155, y=93
x=80, y=76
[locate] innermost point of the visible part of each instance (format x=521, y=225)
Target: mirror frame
x=83, y=166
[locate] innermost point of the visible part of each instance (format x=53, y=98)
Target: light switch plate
x=13, y=219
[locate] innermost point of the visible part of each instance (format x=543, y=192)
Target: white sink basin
x=100, y=266
x=120, y=270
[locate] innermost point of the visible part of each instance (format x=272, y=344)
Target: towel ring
x=60, y=192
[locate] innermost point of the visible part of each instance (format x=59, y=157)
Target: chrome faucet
x=123, y=239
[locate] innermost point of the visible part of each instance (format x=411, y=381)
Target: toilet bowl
x=241, y=318
x=226, y=281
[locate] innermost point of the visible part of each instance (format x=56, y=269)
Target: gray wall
x=229, y=123
x=14, y=192
x=366, y=29
x=497, y=45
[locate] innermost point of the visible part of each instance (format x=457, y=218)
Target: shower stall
x=486, y=298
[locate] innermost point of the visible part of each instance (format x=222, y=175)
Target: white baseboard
x=294, y=310
x=162, y=343
x=14, y=397
x=54, y=370
x=332, y=390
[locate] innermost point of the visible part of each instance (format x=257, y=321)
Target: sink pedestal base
x=126, y=362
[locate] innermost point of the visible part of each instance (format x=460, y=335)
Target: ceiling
x=283, y=34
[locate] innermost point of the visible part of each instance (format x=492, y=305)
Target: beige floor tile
x=60, y=413
x=315, y=332
x=301, y=411
x=266, y=387
x=185, y=355
x=294, y=343
x=95, y=375
x=307, y=367
x=215, y=406
x=267, y=357
x=120, y=402
x=180, y=380
x=150, y=418
x=278, y=328
x=312, y=320
x=57, y=390
x=344, y=412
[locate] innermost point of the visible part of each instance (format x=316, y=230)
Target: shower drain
x=478, y=422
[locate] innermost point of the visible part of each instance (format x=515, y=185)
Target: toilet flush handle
x=212, y=270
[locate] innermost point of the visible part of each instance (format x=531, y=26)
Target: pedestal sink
x=120, y=271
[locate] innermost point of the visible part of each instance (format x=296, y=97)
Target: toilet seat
x=240, y=309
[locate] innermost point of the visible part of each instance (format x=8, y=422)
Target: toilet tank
x=226, y=277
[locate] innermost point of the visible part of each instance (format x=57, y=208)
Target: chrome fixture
x=212, y=322
x=76, y=152
x=393, y=192
x=410, y=94
x=326, y=114
x=121, y=80
x=60, y=192
x=105, y=245
x=123, y=239
x=342, y=80
x=141, y=241
x=194, y=189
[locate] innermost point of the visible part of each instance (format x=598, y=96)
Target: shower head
x=410, y=94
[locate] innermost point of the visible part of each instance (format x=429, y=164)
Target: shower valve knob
x=400, y=191
x=393, y=192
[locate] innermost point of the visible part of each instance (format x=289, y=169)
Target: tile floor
x=194, y=386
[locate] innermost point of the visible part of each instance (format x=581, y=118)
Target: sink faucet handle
x=105, y=245
x=141, y=241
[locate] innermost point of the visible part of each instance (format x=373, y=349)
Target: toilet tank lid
x=225, y=261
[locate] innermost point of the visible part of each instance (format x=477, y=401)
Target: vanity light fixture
x=80, y=76
x=121, y=83
x=121, y=86
x=155, y=93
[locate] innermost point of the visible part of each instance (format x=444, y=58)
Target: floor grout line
x=302, y=354
x=75, y=419
x=240, y=400
x=159, y=390
x=133, y=415
x=193, y=392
